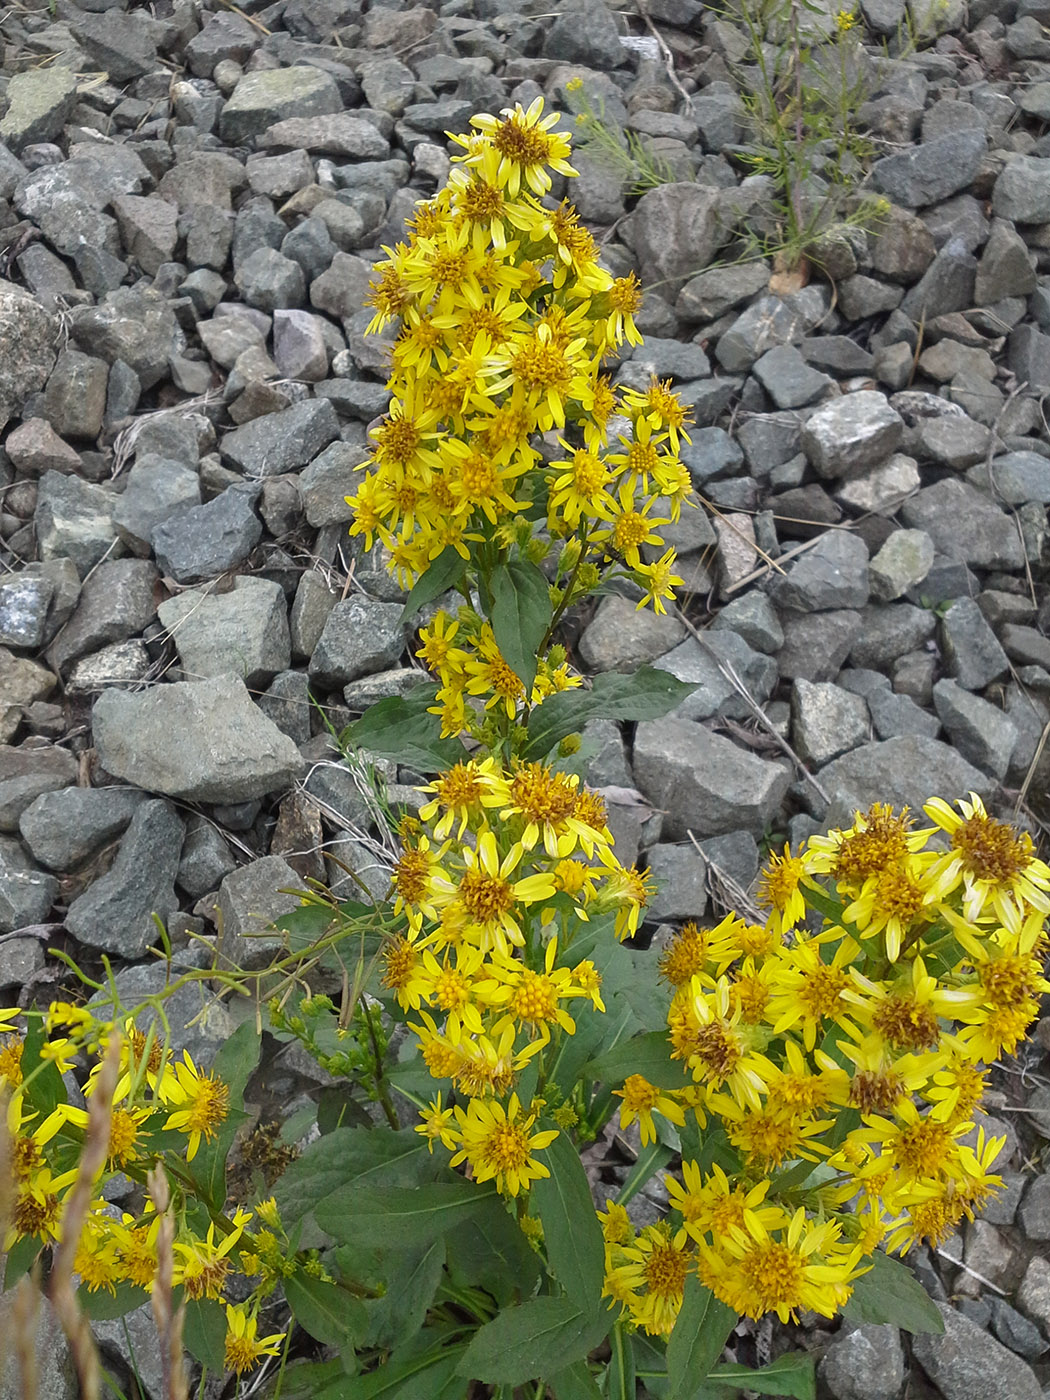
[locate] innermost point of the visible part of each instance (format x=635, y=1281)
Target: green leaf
x=234, y=1065
x=411, y=1277
x=696, y=1342
x=576, y=1383
x=647, y=694
x=21, y=1257
x=651, y=1159
x=622, y=1382
x=329, y=1313
x=401, y=727
x=648, y=1054
x=571, y=1232
x=408, y=1374
x=521, y=614
x=533, y=1341
x=490, y=1252
x=791, y=1375
x=204, y=1333
x=337, y=1163
x=444, y=573
x=890, y=1292
x=44, y=1088
x=103, y=1306
x=375, y=1215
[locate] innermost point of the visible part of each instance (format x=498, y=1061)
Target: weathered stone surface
x=243, y=632
x=359, y=636
x=203, y=741
x=826, y=721
x=676, y=232
x=41, y=100
x=63, y=828
x=74, y=520
x=28, y=771
x=708, y=663
x=249, y=901
x=932, y=171
x=981, y=732
x=833, y=574
x=27, y=348
x=972, y=652
x=282, y=442
x=905, y=772
x=621, y=637
x=961, y=1360
x=205, y=541
x=865, y=1363
x=704, y=783
x=852, y=434
x=274, y=94
x=964, y=524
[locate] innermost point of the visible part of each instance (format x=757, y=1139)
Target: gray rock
x=585, y=32
x=752, y=616
x=1022, y=191
x=905, y=772
x=1035, y=1210
x=852, y=434
x=767, y=322
x=64, y=828
x=40, y=103
x=1026, y=645
x=197, y=1020
x=282, y=442
x=202, y=741
x=932, y=171
x=35, y=448
x=1015, y=1331
x=54, y=1372
x=206, y=858
x=336, y=134
x=123, y=663
x=27, y=349
x=621, y=637
x=946, y=285
x=676, y=234
x=360, y=636
x=831, y=575
x=75, y=396
x=116, y=602
x=981, y=732
x=243, y=632
x=287, y=702
x=157, y=489
x=149, y=229
x=954, y=442
x=889, y=631
x=25, y=773
x=965, y=525
x=665, y=358
x=267, y=280
x=961, y=1360
x=1015, y=477
x=21, y=683
x=1002, y=1208
x=816, y=644
x=867, y=1363
x=328, y=480
x=788, y=380
x=973, y=655
x=701, y=663
x=74, y=520
x=713, y=293
x=680, y=873
x=1005, y=268
x=24, y=604
x=902, y=562
x=272, y=95
x=20, y=960
x=881, y=489
x=250, y=899
x=891, y=714
x=1033, y=1296
x=313, y=602
x=125, y=45
x=136, y=327
x=826, y=721
x=207, y=540
x=351, y=863
x=26, y=893
x=299, y=348
x=116, y=912
x=704, y=783
x=735, y=854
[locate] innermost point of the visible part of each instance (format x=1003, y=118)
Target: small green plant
x=626, y=153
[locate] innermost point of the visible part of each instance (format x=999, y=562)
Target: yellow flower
x=202, y=1103
x=244, y=1349
x=437, y=1125
x=640, y=1100
x=201, y=1266
x=994, y=864
x=650, y=1277
x=779, y=890
x=526, y=146
x=499, y=1144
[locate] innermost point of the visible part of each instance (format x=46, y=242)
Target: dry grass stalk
x=92, y=1160
x=25, y=1319
x=168, y=1321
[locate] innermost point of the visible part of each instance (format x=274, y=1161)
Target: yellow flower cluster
x=503, y=868
x=505, y=318
x=153, y=1095
x=840, y=1068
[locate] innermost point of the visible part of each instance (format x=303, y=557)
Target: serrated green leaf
x=444, y=573
x=793, y=1375
x=648, y=1054
x=204, y=1332
x=571, y=1231
x=521, y=614
x=697, y=1339
x=890, y=1292
x=329, y=1313
x=647, y=694
x=103, y=1306
x=413, y=1215
x=401, y=727
x=533, y=1341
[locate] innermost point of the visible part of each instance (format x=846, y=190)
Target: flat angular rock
x=677, y=232
x=701, y=665
x=865, y=1363
x=203, y=741
x=250, y=899
x=125, y=45
x=115, y=913
x=243, y=632
x=932, y=171
x=35, y=448
x=889, y=631
x=148, y=228
x=63, y=828
x=206, y=858
x=25, y=773
x=881, y=489
x=622, y=638
x=26, y=893
x=1022, y=191
x=157, y=488
x=833, y=574
x=961, y=1360
x=826, y=721
x=27, y=348
x=585, y=32
x=852, y=434
x=965, y=524
x=359, y=637
x=816, y=644
x=74, y=520
x=680, y=873
x=972, y=653
x=704, y=783
x=272, y=95
x=75, y=397
x=905, y=772
x=338, y=134
x=116, y=602
x=24, y=603
x=1016, y=477
x=205, y=541
x=136, y=327
x=981, y=732
x=40, y=103
x=788, y=380
x=282, y=442
x=902, y=563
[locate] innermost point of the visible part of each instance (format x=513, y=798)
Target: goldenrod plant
x=806, y=1086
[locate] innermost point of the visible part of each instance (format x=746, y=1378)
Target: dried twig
x=668, y=56
x=730, y=895
x=168, y=1321
x=71, y=1316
